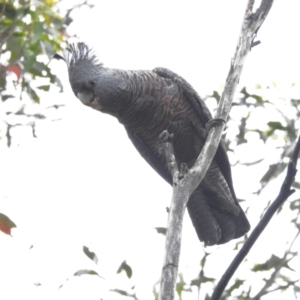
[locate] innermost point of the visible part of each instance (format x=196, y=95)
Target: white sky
x=83, y=183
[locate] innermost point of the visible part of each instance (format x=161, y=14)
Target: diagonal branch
x=251, y=24
x=284, y=193
x=185, y=186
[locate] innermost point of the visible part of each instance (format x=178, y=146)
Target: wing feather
x=204, y=115
x=149, y=156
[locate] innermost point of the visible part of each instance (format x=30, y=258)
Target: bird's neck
x=136, y=99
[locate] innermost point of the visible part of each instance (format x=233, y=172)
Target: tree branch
x=174, y=227
x=185, y=186
x=284, y=193
x=251, y=24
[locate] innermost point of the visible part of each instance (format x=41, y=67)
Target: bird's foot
x=166, y=137
x=213, y=123
x=166, y=149
x=183, y=170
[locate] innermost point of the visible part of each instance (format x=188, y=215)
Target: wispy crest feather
x=80, y=52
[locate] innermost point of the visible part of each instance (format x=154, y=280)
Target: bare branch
x=185, y=186
x=251, y=24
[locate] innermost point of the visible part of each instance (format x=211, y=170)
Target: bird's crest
x=75, y=53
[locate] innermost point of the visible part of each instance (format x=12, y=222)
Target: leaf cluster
x=30, y=33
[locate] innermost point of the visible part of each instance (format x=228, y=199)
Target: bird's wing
x=204, y=115
x=149, y=156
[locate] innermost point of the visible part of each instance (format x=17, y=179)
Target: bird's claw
x=214, y=122
x=183, y=170
x=166, y=137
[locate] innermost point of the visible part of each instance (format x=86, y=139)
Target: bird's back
x=162, y=104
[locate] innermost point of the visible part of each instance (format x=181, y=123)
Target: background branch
x=284, y=193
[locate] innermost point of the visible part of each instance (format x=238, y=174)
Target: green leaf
x=44, y=87
x=33, y=95
x=37, y=284
x=6, y=224
x=125, y=267
x=123, y=293
x=273, y=171
x=295, y=204
x=161, y=230
x=182, y=286
x=198, y=281
x=235, y=286
x=272, y=262
x=86, y=272
x=5, y=97
x=296, y=185
x=216, y=95
x=39, y=116
x=252, y=163
x=8, y=10
x=296, y=289
x=259, y=99
x=244, y=100
x=276, y=125
x=90, y=255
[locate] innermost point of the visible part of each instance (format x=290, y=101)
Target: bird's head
x=84, y=68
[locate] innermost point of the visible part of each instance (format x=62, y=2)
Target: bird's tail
x=214, y=225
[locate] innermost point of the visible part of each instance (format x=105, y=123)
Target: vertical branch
x=174, y=228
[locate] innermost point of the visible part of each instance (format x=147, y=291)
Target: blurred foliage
x=30, y=33
x=284, y=127
x=124, y=267
x=278, y=121
x=6, y=224
x=91, y=255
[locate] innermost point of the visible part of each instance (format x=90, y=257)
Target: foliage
x=30, y=33
x=6, y=224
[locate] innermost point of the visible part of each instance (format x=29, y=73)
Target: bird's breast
x=151, y=116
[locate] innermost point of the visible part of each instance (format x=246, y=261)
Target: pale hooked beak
x=89, y=100
x=85, y=98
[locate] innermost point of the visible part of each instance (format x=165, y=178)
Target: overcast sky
x=83, y=183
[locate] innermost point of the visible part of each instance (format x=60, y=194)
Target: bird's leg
x=166, y=148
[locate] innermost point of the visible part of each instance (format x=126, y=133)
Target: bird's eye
x=92, y=82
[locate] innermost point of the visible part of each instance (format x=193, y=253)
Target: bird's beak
x=88, y=99
x=85, y=98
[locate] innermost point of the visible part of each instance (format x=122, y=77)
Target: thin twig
x=281, y=287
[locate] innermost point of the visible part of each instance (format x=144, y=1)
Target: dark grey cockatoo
x=147, y=103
